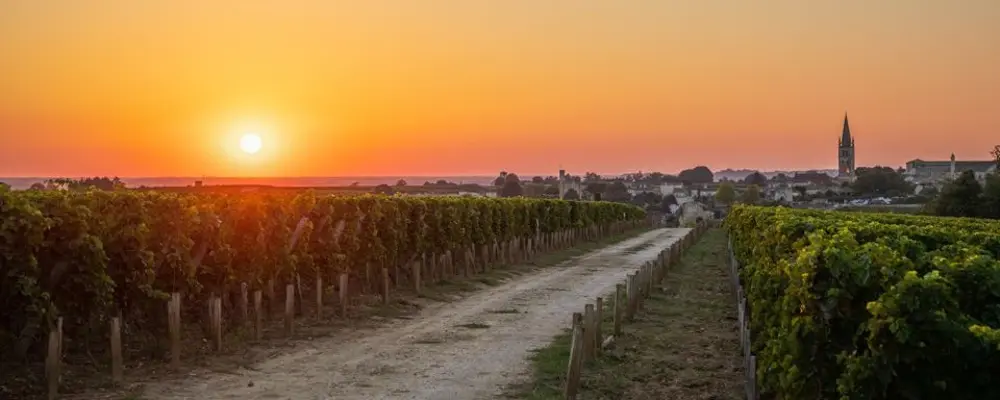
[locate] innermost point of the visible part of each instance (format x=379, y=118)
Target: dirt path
x=468, y=349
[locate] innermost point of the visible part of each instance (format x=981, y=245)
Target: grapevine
x=88, y=256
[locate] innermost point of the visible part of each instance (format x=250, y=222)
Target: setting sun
x=250, y=143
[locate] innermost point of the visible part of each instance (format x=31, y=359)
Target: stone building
x=935, y=173
x=566, y=183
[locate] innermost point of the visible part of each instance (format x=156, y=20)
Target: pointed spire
x=845, y=136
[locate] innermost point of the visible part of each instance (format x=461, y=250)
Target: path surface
x=468, y=349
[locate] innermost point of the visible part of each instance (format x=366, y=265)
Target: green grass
x=682, y=345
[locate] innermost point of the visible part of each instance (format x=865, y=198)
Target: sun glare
x=250, y=143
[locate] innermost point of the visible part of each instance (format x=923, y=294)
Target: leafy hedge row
x=870, y=306
x=88, y=256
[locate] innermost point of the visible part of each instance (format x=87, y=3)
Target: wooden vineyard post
x=416, y=276
x=633, y=283
x=116, y=351
x=675, y=250
x=258, y=315
x=640, y=288
x=367, y=284
x=432, y=268
x=598, y=320
x=660, y=267
x=289, y=309
x=451, y=271
x=344, y=289
x=385, y=286
x=650, y=274
x=244, y=303
x=271, y=299
x=619, y=289
x=423, y=265
x=215, y=319
x=53, y=360
x=319, y=297
x=470, y=262
x=628, y=296
x=174, y=322
x=299, y=293
x=588, y=332
x=575, y=358
x=395, y=267
x=484, y=257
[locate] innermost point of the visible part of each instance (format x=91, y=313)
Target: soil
x=470, y=348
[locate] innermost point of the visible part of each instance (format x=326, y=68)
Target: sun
x=250, y=143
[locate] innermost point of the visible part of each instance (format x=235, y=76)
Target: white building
x=936, y=173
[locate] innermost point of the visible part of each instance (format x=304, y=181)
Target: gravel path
x=468, y=349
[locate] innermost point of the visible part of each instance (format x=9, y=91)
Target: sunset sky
x=407, y=87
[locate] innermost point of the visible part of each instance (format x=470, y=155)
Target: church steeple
x=845, y=136
x=845, y=150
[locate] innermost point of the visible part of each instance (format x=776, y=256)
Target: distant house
x=692, y=212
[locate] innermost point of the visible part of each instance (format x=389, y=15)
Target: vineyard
x=870, y=306
x=73, y=261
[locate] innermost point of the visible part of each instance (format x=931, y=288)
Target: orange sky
x=154, y=88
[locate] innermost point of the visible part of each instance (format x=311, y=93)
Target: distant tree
x=37, y=186
x=756, y=178
x=442, y=182
x=591, y=177
x=596, y=187
x=552, y=180
x=780, y=178
x=618, y=192
x=801, y=190
x=670, y=179
x=401, y=182
x=726, y=194
x=699, y=174
x=751, y=195
x=996, y=156
x=384, y=189
x=929, y=191
x=552, y=191
x=991, y=197
x=960, y=197
x=471, y=187
x=880, y=181
x=646, y=199
x=668, y=200
x=571, y=194
x=98, y=183
x=4, y=187
x=537, y=179
x=511, y=186
x=500, y=180
x=533, y=190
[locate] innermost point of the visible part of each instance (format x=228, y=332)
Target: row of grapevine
x=870, y=306
x=85, y=257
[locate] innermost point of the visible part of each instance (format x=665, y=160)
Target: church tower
x=846, y=152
